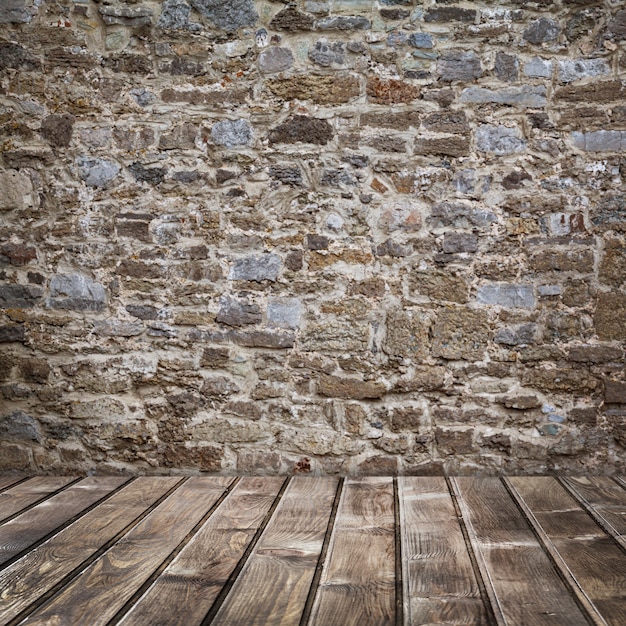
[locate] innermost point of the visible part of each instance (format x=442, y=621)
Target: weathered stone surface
x=526, y=96
x=15, y=12
x=562, y=260
x=391, y=91
x=407, y=333
x=175, y=15
x=232, y=133
x=459, y=215
x=150, y=175
x=459, y=65
x=335, y=336
x=57, y=129
x=290, y=19
x=562, y=379
x=499, y=140
x=14, y=56
x=227, y=15
x=235, y=313
x=446, y=146
x=460, y=333
x=323, y=89
x=600, y=141
x=616, y=27
x=612, y=269
x=538, y=68
x=595, y=354
x=256, y=268
x=336, y=387
x=459, y=242
x=615, y=392
x=12, y=333
x=511, y=296
x=16, y=191
x=343, y=22
x=610, y=316
x=506, y=66
x=287, y=174
x=301, y=128
x=327, y=53
x=263, y=339
x=577, y=69
x=449, y=14
x=76, y=292
x=275, y=59
x=97, y=172
x=455, y=441
x=421, y=40
x=518, y=335
x=20, y=426
x=542, y=30
x=284, y=313
x=19, y=296
x=17, y=254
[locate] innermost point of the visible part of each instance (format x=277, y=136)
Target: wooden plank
x=437, y=573
x=29, y=527
x=521, y=580
x=274, y=583
x=604, y=500
x=37, y=573
x=357, y=585
x=188, y=587
x=7, y=481
x=14, y=500
x=103, y=588
x=583, y=550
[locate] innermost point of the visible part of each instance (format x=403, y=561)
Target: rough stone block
x=526, y=96
x=576, y=69
x=327, y=53
x=175, y=15
x=275, y=59
x=614, y=392
x=613, y=264
x=538, y=68
x=459, y=242
x=337, y=387
x=16, y=12
x=336, y=335
x=421, y=40
x=290, y=19
x=321, y=89
x=343, y=23
x=97, y=172
x=460, y=333
x=449, y=14
x=19, y=426
x=229, y=16
x=232, y=133
x=284, y=313
x=600, y=141
x=407, y=333
x=57, y=129
x=16, y=191
x=610, y=317
x=76, y=292
x=235, y=313
x=460, y=65
x=391, y=91
x=19, y=296
x=541, y=31
x=499, y=140
x=301, y=128
x=256, y=268
x=509, y=296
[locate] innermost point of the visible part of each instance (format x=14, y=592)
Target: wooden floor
x=242, y=551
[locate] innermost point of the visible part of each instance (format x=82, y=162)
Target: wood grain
x=357, y=585
x=527, y=589
x=29, y=527
x=40, y=570
x=104, y=587
x=595, y=561
x=7, y=481
x=604, y=500
x=437, y=573
x=186, y=590
x=13, y=500
x=274, y=583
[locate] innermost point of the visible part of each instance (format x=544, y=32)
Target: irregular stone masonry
x=336, y=236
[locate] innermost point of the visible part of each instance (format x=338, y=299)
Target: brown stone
x=406, y=418
x=17, y=253
x=595, y=354
x=596, y=92
x=371, y=288
x=425, y=378
x=439, y=287
x=225, y=97
x=454, y=122
x=460, y=333
x=577, y=381
x=397, y=121
x=57, y=129
x=35, y=370
x=521, y=402
x=326, y=89
x=336, y=387
x=378, y=466
x=390, y=91
x=613, y=265
x=455, y=441
x=562, y=260
x=301, y=128
x=263, y=339
x=610, y=316
x=290, y=19
x=14, y=458
x=203, y=458
x=407, y=333
x=256, y=462
x=615, y=392
x=443, y=146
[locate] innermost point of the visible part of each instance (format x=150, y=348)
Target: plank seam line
x=581, y=598
x=398, y=554
x=64, y=525
x=68, y=578
x=620, y=481
x=18, y=481
x=128, y=605
x=597, y=517
x=47, y=496
x=225, y=590
x=495, y=615
x=319, y=568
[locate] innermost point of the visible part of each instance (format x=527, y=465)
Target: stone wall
x=337, y=237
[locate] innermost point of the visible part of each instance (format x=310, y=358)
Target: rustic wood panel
x=525, y=587
x=7, y=481
x=358, y=581
x=274, y=583
x=604, y=500
x=29, y=527
x=187, y=588
x=98, y=593
x=35, y=574
x=595, y=561
x=439, y=581
x=17, y=498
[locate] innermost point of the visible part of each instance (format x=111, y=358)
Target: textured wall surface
x=336, y=236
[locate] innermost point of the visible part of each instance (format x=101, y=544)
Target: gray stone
x=343, y=22
x=14, y=12
x=549, y=290
x=150, y=175
x=97, y=172
x=231, y=133
x=287, y=174
x=256, y=268
x=19, y=296
x=499, y=140
x=459, y=65
x=230, y=15
x=538, y=68
x=131, y=17
x=526, y=96
x=12, y=333
x=506, y=66
x=460, y=242
x=576, y=69
x=76, y=292
x=518, y=335
x=600, y=141
x=275, y=59
x=291, y=19
x=542, y=30
x=20, y=426
x=326, y=54
x=507, y=295
x=143, y=311
x=235, y=313
x=175, y=16
x=15, y=56
x=284, y=313
x=117, y=328
x=459, y=215
x=421, y=40
x=16, y=191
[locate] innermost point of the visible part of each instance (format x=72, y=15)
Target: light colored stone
x=499, y=140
